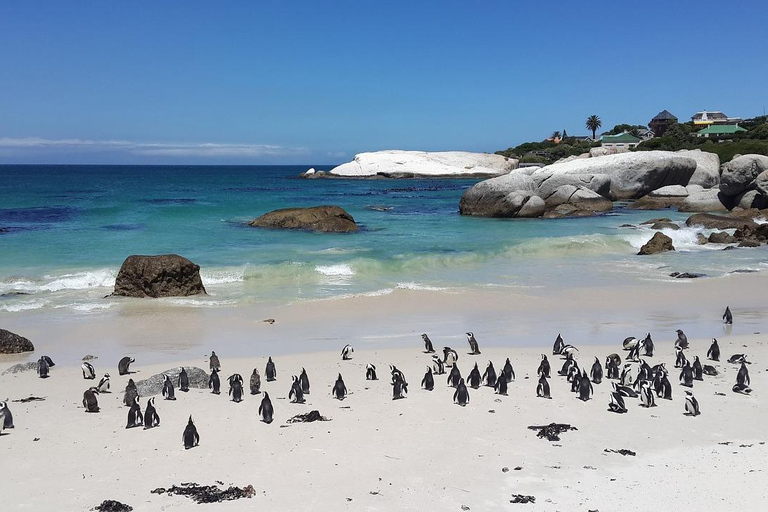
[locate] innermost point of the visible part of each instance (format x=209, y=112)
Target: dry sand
x=419, y=453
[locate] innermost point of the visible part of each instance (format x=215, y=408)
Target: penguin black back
x=255, y=382
x=544, y=368
x=214, y=383
x=428, y=382
x=596, y=372
x=183, y=380
x=714, y=351
x=42, y=368
x=428, y=348
x=370, y=372
x=265, y=409
x=236, y=389
x=339, y=389
x=461, y=395
x=727, y=316
x=270, y=372
x=124, y=364
x=304, y=381
x=214, y=363
x=190, y=437
x=473, y=378
x=135, y=418
x=168, y=391
x=151, y=418
x=130, y=393
x=489, y=376
x=454, y=376
x=508, y=372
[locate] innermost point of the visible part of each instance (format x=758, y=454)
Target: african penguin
x=190, y=437
x=103, y=384
x=396, y=374
x=617, y=404
x=135, y=418
x=90, y=400
x=691, y=404
x=438, y=365
x=473, y=346
x=709, y=370
x=680, y=359
x=236, y=388
x=370, y=372
x=151, y=418
x=130, y=393
x=399, y=386
x=42, y=368
x=296, y=395
x=454, y=376
x=648, y=345
x=89, y=372
x=304, y=381
x=168, y=389
x=489, y=375
x=270, y=372
x=596, y=373
x=686, y=375
x=339, y=389
x=682, y=340
x=542, y=388
x=544, y=368
x=214, y=383
x=570, y=350
x=474, y=378
x=741, y=388
x=122, y=366
x=428, y=348
x=629, y=343
x=714, y=351
x=557, y=348
x=450, y=356
x=698, y=371
x=213, y=362
x=585, y=387
x=265, y=409
x=738, y=358
x=461, y=395
x=183, y=380
x=727, y=316
x=646, y=395
x=428, y=382
x=500, y=388
x=346, y=352
x=6, y=418
x=255, y=382
x=742, y=378
x=508, y=372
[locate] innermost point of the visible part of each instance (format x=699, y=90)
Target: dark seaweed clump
x=308, y=417
x=207, y=493
x=113, y=506
x=552, y=431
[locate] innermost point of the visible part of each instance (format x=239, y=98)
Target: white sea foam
x=335, y=270
x=684, y=239
x=88, y=306
x=22, y=306
x=197, y=303
x=102, y=278
x=223, y=276
x=419, y=287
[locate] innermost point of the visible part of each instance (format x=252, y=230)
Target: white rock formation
x=398, y=163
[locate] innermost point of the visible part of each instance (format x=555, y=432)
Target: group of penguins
x=637, y=379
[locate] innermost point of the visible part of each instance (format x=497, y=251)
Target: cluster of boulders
x=693, y=181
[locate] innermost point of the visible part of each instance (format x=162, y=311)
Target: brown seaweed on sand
x=308, y=417
x=208, y=493
x=552, y=431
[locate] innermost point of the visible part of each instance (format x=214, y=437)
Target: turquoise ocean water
x=65, y=230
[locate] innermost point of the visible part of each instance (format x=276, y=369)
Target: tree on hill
x=594, y=123
x=621, y=128
x=555, y=135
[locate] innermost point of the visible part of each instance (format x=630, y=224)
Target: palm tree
x=555, y=135
x=594, y=123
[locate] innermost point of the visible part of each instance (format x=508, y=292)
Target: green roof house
x=720, y=130
x=621, y=141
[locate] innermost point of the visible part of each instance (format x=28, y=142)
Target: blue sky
x=316, y=82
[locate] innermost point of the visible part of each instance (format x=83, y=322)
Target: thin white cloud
x=148, y=148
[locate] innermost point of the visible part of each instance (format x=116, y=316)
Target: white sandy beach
x=422, y=452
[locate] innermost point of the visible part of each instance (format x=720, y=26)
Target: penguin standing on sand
x=6, y=418
x=270, y=372
x=42, y=368
x=135, y=418
x=698, y=371
x=508, y=372
x=682, y=340
x=450, y=356
x=461, y=395
x=648, y=345
x=438, y=365
x=265, y=409
x=370, y=372
x=454, y=376
x=168, y=391
x=646, y=395
x=89, y=372
x=190, y=437
x=428, y=348
x=346, y=352
x=585, y=387
x=557, y=348
x=214, y=383
x=428, y=382
x=665, y=388
x=124, y=364
x=727, y=316
x=544, y=369
x=131, y=393
x=634, y=353
x=255, y=382
x=617, y=404
x=714, y=351
x=542, y=388
x=473, y=378
x=680, y=359
x=304, y=381
x=214, y=363
x=151, y=418
x=399, y=386
x=236, y=388
x=296, y=395
x=90, y=400
x=686, y=375
x=103, y=384
x=395, y=373
x=596, y=373
x=339, y=389
x=474, y=348
x=183, y=380
x=742, y=378
x=691, y=404
x=489, y=376
x=566, y=366
x=612, y=368
x=500, y=388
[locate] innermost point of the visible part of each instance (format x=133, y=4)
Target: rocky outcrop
x=11, y=343
x=504, y=196
x=154, y=384
x=704, y=200
x=739, y=174
x=325, y=219
x=720, y=237
x=665, y=197
x=658, y=243
x=707, y=173
x=751, y=199
x=710, y=221
x=166, y=275
x=420, y=164
x=633, y=175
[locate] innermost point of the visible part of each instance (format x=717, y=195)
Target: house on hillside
x=621, y=141
x=707, y=118
x=661, y=122
x=720, y=130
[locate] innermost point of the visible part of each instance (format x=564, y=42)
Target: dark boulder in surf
x=166, y=275
x=325, y=219
x=11, y=343
x=659, y=243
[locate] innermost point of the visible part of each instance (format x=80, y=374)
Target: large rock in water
x=633, y=175
x=327, y=219
x=740, y=173
x=719, y=221
x=504, y=196
x=705, y=200
x=154, y=385
x=11, y=343
x=420, y=164
x=166, y=275
x=658, y=243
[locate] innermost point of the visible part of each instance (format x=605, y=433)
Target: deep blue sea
x=65, y=230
